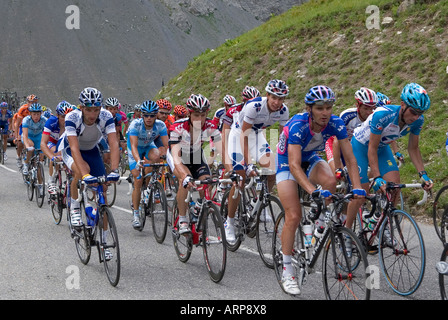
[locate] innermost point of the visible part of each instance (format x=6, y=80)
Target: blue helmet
x=3, y=105
x=149, y=106
x=35, y=107
x=416, y=97
x=91, y=97
x=382, y=99
x=319, y=93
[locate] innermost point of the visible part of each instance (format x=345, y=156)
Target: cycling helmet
x=180, y=111
x=91, y=97
x=366, y=96
x=35, y=107
x=250, y=93
x=3, y=105
x=149, y=107
x=32, y=98
x=229, y=100
x=319, y=93
x=112, y=102
x=277, y=88
x=382, y=99
x=164, y=104
x=138, y=107
x=64, y=107
x=198, y=103
x=416, y=97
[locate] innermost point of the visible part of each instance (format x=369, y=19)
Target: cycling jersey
x=227, y=118
x=52, y=129
x=169, y=121
x=23, y=111
x=298, y=132
x=145, y=137
x=4, y=121
x=256, y=113
x=34, y=128
x=385, y=122
x=218, y=117
x=351, y=120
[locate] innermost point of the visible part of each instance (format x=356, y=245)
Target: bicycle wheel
x=82, y=237
x=183, y=244
x=109, y=245
x=57, y=201
x=438, y=207
x=171, y=188
x=29, y=180
x=159, y=211
x=2, y=157
x=40, y=187
x=266, y=218
x=442, y=282
x=402, y=253
x=111, y=193
x=213, y=242
x=233, y=246
x=344, y=269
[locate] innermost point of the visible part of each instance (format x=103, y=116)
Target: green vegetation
x=295, y=47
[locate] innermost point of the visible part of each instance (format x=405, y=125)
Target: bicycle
x=153, y=201
x=255, y=215
x=438, y=208
x=35, y=179
x=207, y=230
x=344, y=270
x=59, y=201
x=442, y=285
x=397, y=239
x=99, y=221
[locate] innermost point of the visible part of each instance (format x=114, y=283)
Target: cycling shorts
x=4, y=129
x=308, y=164
x=92, y=157
x=196, y=163
x=36, y=141
x=142, y=152
x=386, y=160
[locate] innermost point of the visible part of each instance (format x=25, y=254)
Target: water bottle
x=146, y=196
x=373, y=221
x=320, y=226
x=91, y=214
x=194, y=210
x=308, y=232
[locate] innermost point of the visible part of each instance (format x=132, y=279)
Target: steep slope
x=125, y=48
x=328, y=42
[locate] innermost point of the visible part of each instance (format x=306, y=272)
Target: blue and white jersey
x=35, y=129
x=4, y=118
x=298, y=132
x=351, y=120
x=384, y=121
x=146, y=137
x=75, y=127
x=256, y=113
x=52, y=129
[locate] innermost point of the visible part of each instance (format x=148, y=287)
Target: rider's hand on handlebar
x=188, y=182
x=428, y=183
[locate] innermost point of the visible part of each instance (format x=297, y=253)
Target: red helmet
x=164, y=104
x=180, y=111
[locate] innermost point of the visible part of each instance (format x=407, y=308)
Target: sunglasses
x=415, y=112
x=148, y=115
x=324, y=102
x=96, y=104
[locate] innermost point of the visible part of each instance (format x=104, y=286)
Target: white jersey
x=351, y=120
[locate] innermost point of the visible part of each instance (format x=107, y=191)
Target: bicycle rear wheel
x=402, y=253
x=109, y=245
x=159, y=211
x=29, y=185
x=183, y=244
x=344, y=268
x=40, y=187
x=266, y=218
x=213, y=242
x=439, y=205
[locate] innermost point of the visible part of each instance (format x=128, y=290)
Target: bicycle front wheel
x=81, y=235
x=183, y=244
x=402, y=253
x=40, y=180
x=109, y=245
x=266, y=217
x=159, y=211
x=233, y=245
x=213, y=242
x=345, y=267
x=442, y=282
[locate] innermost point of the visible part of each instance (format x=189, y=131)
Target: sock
x=288, y=269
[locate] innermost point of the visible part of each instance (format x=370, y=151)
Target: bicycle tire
x=30, y=186
x=159, y=212
x=82, y=237
x=265, y=229
x=110, y=242
x=40, y=172
x=442, y=282
x=57, y=201
x=238, y=224
x=395, y=261
x=183, y=244
x=2, y=157
x=438, y=207
x=111, y=189
x=344, y=279
x=213, y=242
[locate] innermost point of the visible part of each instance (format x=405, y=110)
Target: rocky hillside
x=125, y=48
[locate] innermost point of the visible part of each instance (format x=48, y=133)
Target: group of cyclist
x=362, y=138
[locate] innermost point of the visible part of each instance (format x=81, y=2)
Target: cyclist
x=112, y=105
x=21, y=114
x=32, y=127
x=388, y=123
x=247, y=94
x=140, y=145
x=185, y=156
x=229, y=101
x=180, y=112
x=135, y=114
x=246, y=138
x=298, y=163
x=164, y=112
x=84, y=128
x=54, y=127
x=5, y=122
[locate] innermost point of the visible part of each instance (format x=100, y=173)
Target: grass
x=295, y=47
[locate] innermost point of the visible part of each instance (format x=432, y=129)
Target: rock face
x=124, y=48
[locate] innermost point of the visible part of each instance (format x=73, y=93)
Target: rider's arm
x=44, y=146
x=352, y=164
x=373, y=154
x=114, y=150
x=224, y=142
x=295, y=166
x=27, y=141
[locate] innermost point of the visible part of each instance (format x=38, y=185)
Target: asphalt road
x=39, y=261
